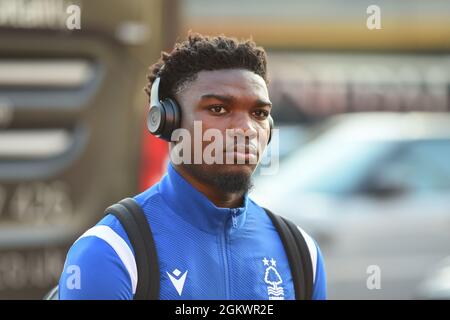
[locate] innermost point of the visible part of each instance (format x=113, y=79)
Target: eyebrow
x=230, y=99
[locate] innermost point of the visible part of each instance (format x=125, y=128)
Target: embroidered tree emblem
x=272, y=276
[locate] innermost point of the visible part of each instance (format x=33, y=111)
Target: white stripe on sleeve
x=312, y=251
x=120, y=247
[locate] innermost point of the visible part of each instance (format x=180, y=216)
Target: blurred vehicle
x=73, y=137
x=374, y=191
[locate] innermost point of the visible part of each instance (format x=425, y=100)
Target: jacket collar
x=195, y=208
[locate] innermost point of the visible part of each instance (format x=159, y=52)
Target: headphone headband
x=154, y=93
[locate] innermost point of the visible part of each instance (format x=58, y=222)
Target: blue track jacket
x=204, y=252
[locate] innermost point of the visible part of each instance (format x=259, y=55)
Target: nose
x=242, y=125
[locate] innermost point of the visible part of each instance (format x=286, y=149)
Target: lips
x=242, y=154
x=249, y=148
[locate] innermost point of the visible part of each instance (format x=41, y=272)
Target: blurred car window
x=419, y=166
x=338, y=169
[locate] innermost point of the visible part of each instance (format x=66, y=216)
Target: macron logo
x=177, y=280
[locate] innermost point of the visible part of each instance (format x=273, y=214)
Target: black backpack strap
x=133, y=220
x=298, y=255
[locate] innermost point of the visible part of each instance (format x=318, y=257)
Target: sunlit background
x=363, y=119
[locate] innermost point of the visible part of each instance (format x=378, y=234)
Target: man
x=212, y=240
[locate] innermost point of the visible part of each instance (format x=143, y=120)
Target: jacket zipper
x=225, y=252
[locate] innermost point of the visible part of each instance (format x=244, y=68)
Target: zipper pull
x=234, y=218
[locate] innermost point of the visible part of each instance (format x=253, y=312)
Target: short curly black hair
x=198, y=53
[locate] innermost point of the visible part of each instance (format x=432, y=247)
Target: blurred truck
x=72, y=115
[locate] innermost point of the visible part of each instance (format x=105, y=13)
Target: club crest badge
x=273, y=280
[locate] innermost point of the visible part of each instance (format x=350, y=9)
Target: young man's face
x=228, y=99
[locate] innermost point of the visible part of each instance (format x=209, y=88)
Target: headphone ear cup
x=156, y=119
x=172, y=119
x=271, y=127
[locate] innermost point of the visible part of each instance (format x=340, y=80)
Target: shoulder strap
x=298, y=255
x=132, y=218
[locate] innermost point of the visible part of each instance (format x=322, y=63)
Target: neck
x=220, y=198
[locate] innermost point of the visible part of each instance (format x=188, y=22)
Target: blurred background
x=363, y=116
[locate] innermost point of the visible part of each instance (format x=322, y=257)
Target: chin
x=229, y=178
x=247, y=169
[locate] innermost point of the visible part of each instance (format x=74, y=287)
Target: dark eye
x=261, y=114
x=218, y=109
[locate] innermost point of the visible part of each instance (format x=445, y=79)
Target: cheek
x=263, y=133
x=216, y=132
x=187, y=120
x=216, y=124
x=266, y=131
x=198, y=125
